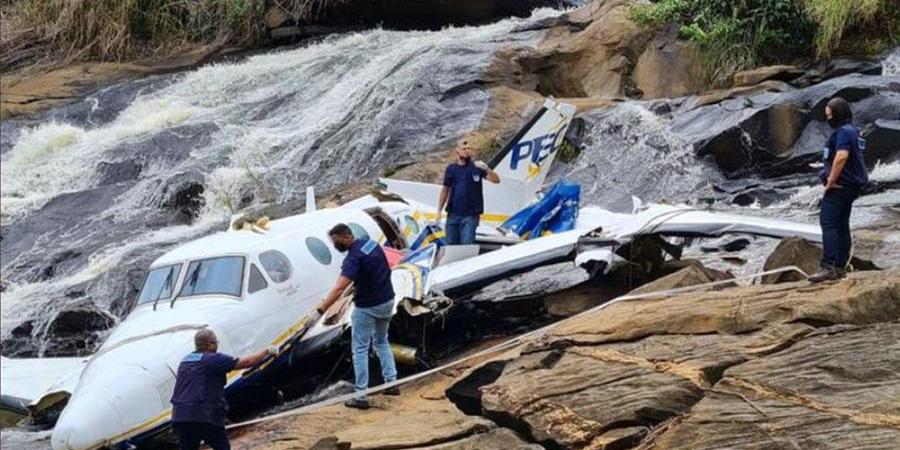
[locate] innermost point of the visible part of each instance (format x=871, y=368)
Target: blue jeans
x=461, y=229
x=370, y=326
x=835, y=221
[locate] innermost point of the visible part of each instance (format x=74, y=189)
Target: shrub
x=733, y=35
x=114, y=30
x=837, y=17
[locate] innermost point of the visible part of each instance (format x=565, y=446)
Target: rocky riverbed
x=792, y=365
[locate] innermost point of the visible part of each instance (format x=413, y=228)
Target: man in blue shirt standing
x=373, y=301
x=198, y=403
x=844, y=175
x=462, y=194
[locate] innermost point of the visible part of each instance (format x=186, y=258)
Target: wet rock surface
x=795, y=365
x=756, y=133
x=749, y=367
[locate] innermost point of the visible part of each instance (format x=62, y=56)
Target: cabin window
x=319, y=250
x=257, y=280
x=277, y=266
x=159, y=283
x=358, y=231
x=412, y=225
x=222, y=275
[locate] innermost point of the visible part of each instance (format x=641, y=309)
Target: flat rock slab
x=799, y=365
x=839, y=388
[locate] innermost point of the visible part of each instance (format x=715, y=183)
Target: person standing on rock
x=373, y=300
x=844, y=175
x=198, y=403
x=462, y=194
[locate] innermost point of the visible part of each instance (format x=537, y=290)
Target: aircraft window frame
x=240, y=287
x=174, y=283
x=321, y=254
x=355, y=227
x=250, y=287
x=279, y=258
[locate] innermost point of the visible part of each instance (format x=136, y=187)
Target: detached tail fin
x=525, y=161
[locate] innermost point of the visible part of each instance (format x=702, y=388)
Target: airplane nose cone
x=80, y=428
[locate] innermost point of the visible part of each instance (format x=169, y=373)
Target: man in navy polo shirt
x=462, y=194
x=198, y=403
x=373, y=301
x=844, y=175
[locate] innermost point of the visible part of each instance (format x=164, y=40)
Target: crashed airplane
x=258, y=283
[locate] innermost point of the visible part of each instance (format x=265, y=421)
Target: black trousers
x=190, y=434
x=835, y=221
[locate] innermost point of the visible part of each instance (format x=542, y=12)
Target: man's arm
x=492, y=176
x=489, y=174
x=840, y=159
x=254, y=359
x=334, y=294
x=442, y=201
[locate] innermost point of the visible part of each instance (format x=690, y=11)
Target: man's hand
x=321, y=308
x=831, y=185
x=482, y=165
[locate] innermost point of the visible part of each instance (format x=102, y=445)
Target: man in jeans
x=462, y=194
x=373, y=301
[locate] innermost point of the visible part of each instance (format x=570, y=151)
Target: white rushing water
x=329, y=113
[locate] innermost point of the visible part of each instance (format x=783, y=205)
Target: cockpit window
x=214, y=276
x=276, y=265
x=159, y=283
x=257, y=281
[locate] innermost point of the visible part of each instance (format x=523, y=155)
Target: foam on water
x=630, y=151
x=54, y=158
x=329, y=113
x=891, y=64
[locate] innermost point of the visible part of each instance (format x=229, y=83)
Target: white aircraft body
x=257, y=287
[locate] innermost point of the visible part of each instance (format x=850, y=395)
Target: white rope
x=503, y=346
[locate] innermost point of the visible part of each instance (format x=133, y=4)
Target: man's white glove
x=272, y=350
x=482, y=165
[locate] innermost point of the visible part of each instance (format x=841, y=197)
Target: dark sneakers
x=358, y=403
x=393, y=390
x=829, y=273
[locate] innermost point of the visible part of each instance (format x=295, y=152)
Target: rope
x=502, y=346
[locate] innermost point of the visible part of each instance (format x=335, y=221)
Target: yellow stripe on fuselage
x=487, y=217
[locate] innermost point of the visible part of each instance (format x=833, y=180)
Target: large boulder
x=667, y=68
x=882, y=140
x=75, y=330
x=817, y=365
x=592, y=56
x=760, y=74
x=799, y=252
x=770, y=132
x=689, y=276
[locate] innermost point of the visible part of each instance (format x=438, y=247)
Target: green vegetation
x=115, y=30
x=732, y=35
